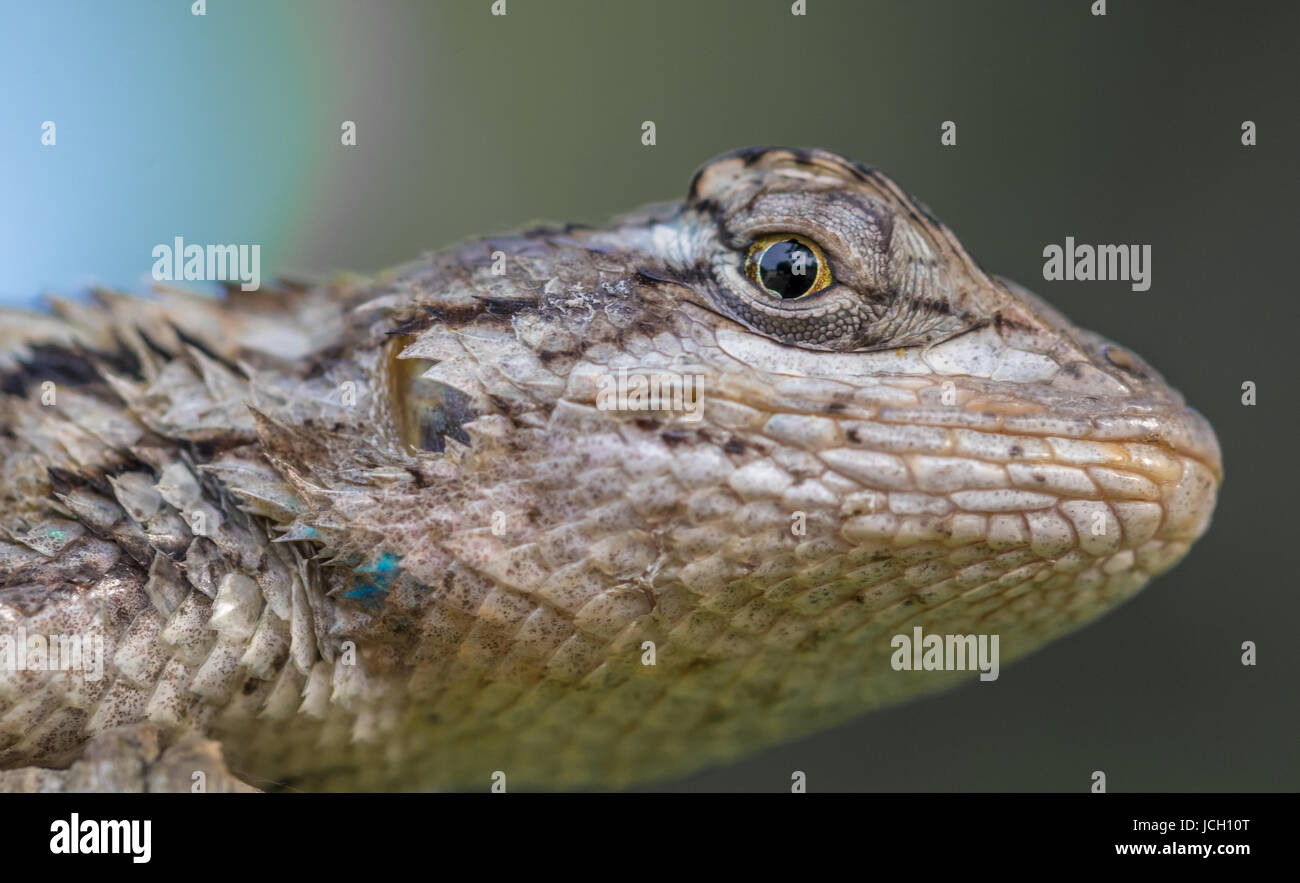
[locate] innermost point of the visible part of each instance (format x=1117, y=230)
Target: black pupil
x=788, y=268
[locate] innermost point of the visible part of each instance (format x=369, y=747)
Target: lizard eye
x=787, y=266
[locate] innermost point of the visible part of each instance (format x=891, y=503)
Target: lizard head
x=847, y=356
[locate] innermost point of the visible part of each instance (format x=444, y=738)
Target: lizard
x=573, y=507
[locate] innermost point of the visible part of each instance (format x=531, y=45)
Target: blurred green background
x=1117, y=129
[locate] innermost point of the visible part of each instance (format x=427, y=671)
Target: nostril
x=1122, y=359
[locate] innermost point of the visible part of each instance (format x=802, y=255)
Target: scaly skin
x=425, y=553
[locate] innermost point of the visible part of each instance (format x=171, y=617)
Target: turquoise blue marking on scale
x=368, y=595
x=376, y=578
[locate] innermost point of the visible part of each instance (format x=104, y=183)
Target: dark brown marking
x=207, y=351
x=49, y=362
x=1000, y=321
x=651, y=277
